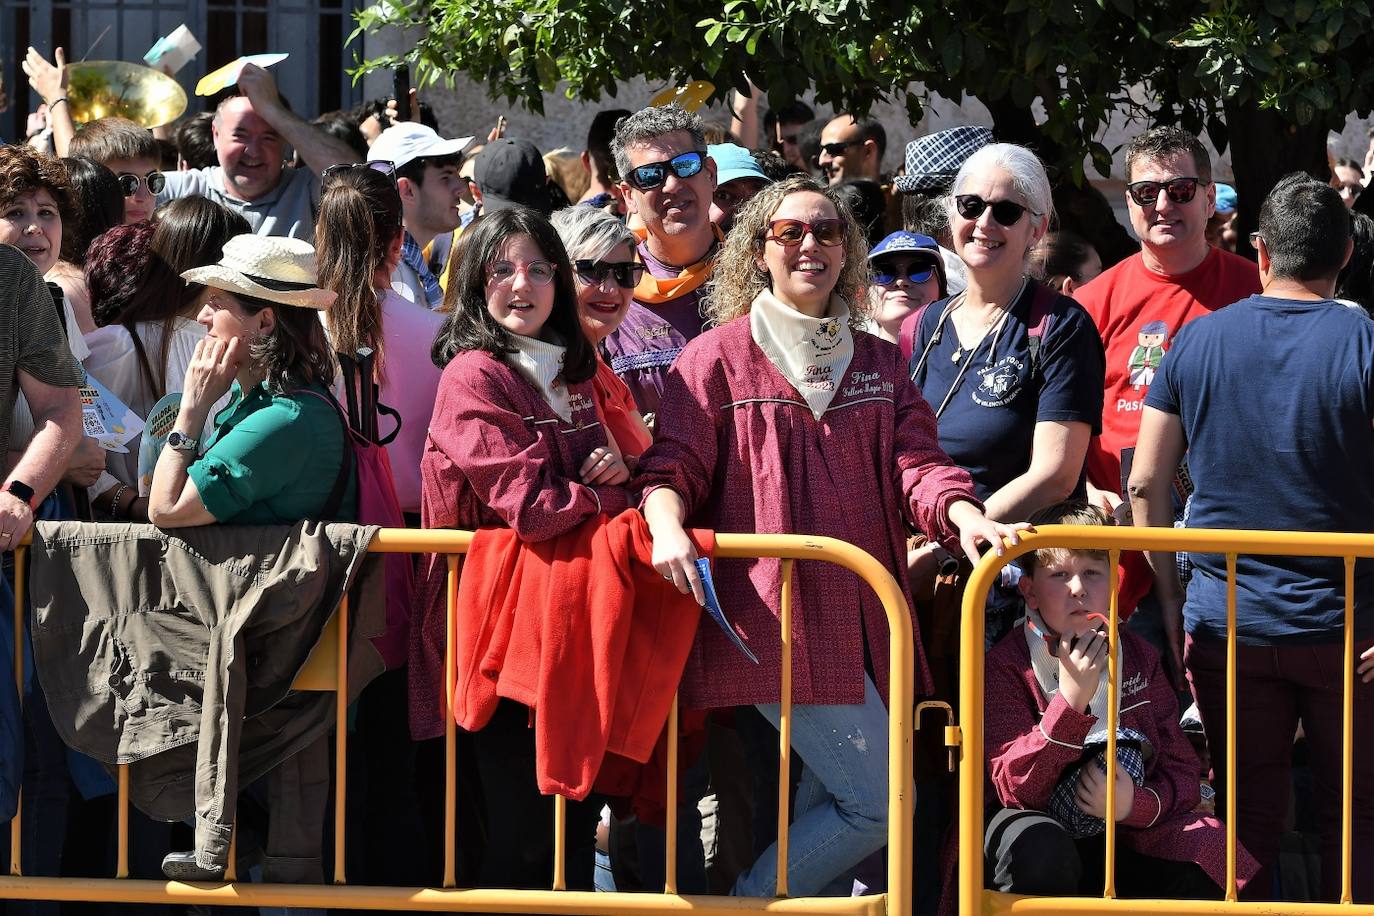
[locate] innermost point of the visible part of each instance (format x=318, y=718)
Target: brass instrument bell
x=116, y=88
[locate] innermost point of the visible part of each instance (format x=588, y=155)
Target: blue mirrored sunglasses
x=653, y=174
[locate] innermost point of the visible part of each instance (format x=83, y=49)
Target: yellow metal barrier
x=327, y=670
x=973, y=898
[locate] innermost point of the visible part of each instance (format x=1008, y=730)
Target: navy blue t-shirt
x=1276, y=398
x=989, y=423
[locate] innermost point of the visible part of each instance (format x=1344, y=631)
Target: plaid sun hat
x=932, y=161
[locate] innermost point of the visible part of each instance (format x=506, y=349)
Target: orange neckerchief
x=654, y=290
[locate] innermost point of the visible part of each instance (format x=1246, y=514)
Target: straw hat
x=277, y=269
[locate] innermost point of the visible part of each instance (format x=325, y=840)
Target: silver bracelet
x=114, y=503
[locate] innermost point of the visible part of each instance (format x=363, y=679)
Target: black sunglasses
x=838, y=147
x=1179, y=190
x=385, y=166
x=885, y=274
x=653, y=174
x=627, y=273
x=1005, y=212
x=129, y=182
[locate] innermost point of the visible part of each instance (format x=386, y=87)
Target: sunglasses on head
x=627, y=273
x=789, y=232
x=1005, y=212
x=385, y=166
x=1180, y=190
x=129, y=182
x=885, y=273
x=653, y=174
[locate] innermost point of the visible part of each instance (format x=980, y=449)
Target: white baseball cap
x=408, y=140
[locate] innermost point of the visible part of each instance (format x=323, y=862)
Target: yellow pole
x=450, y=729
x=16, y=823
x=122, y=837
x=1113, y=712
x=560, y=845
x=1348, y=735
x=970, y=883
x=785, y=729
x=670, y=863
x=1231, y=892
x=340, y=742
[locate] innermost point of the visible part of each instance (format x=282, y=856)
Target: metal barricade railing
x=327, y=669
x=973, y=898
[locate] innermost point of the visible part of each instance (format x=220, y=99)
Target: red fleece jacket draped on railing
x=583, y=630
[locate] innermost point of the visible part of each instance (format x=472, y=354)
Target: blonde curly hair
x=736, y=279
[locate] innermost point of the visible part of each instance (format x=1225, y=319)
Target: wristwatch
x=21, y=490
x=183, y=443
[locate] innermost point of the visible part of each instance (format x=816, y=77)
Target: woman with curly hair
x=39, y=212
x=786, y=418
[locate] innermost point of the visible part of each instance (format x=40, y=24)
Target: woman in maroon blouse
x=786, y=418
x=515, y=441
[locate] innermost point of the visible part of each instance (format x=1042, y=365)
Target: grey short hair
x=1025, y=168
x=648, y=124
x=590, y=232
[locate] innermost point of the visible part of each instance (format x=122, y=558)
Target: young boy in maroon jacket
x=1046, y=686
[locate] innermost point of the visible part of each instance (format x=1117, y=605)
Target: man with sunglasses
x=852, y=149
x=425, y=168
x=129, y=151
x=1175, y=278
x=668, y=180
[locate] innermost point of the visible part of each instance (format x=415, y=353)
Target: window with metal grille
x=311, y=31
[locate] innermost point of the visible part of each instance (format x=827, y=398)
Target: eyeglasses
x=789, y=232
x=1180, y=190
x=1005, y=212
x=385, y=166
x=885, y=273
x=540, y=273
x=129, y=182
x=653, y=174
x=627, y=273
x=838, y=147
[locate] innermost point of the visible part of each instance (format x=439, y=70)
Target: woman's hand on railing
x=976, y=528
x=674, y=556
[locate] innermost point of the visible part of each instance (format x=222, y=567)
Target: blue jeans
x=841, y=800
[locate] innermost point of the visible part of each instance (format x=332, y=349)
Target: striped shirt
x=31, y=336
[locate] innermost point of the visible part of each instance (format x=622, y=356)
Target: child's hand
x=1091, y=793
x=1080, y=666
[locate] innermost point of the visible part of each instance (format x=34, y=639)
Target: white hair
x=590, y=232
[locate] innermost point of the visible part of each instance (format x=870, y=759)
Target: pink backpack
x=377, y=505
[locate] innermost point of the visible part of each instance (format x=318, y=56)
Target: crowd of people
x=750, y=327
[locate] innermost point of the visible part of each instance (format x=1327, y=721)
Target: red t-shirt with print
x=1138, y=312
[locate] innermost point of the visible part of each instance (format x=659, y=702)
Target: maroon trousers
x=1279, y=687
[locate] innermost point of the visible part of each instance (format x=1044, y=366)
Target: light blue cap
x=1226, y=198
x=733, y=161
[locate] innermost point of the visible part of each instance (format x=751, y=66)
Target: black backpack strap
x=330, y=512
x=1038, y=321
